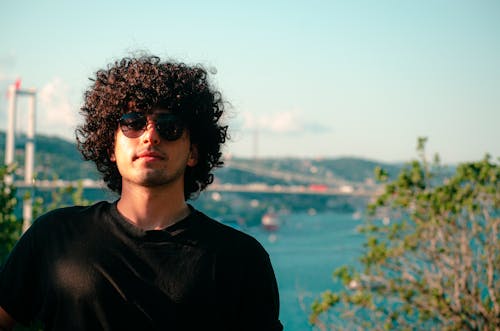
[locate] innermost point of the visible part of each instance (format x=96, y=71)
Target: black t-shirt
x=87, y=268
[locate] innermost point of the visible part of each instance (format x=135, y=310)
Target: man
x=148, y=261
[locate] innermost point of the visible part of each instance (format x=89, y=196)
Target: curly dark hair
x=142, y=84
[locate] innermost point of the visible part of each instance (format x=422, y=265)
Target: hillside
x=55, y=158
x=59, y=158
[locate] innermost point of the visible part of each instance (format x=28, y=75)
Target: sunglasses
x=168, y=126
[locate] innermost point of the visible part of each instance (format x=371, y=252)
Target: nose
x=151, y=134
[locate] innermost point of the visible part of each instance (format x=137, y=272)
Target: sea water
x=305, y=251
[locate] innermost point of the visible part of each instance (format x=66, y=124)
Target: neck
x=152, y=209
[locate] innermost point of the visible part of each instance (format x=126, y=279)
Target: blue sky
x=313, y=78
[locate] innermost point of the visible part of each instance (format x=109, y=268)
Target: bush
x=432, y=255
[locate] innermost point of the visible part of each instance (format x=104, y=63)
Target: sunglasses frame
x=169, y=126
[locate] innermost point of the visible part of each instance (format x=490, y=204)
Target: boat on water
x=270, y=221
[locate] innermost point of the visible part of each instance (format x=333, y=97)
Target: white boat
x=270, y=221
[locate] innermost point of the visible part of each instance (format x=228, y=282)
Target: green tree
x=432, y=255
x=10, y=227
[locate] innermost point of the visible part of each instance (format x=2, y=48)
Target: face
x=149, y=153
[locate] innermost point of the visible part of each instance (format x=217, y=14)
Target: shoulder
x=224, y=237
x=62, y=225
x=76, y=210
x=73, y=215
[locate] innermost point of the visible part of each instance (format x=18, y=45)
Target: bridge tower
x=14, y=92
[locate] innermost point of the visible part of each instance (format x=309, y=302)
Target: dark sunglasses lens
x=132, y=124
x=169, y=127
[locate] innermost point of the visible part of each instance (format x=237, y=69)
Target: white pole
x=29, y=161
x=27, y=213
x=30, y=140
x=11, y=125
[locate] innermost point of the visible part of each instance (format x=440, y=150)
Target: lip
x=149, y=155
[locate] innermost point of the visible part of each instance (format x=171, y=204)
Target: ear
x=193, y=156
x=111, y=150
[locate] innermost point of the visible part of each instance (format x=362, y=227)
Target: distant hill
x=355, y=170
x=59, y=158
x=54, y=158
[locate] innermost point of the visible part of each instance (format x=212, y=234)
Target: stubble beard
x=160, y=177
x=157, y=176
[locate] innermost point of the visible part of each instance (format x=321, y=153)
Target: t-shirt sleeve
x=19, y=278
x=260, y=297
